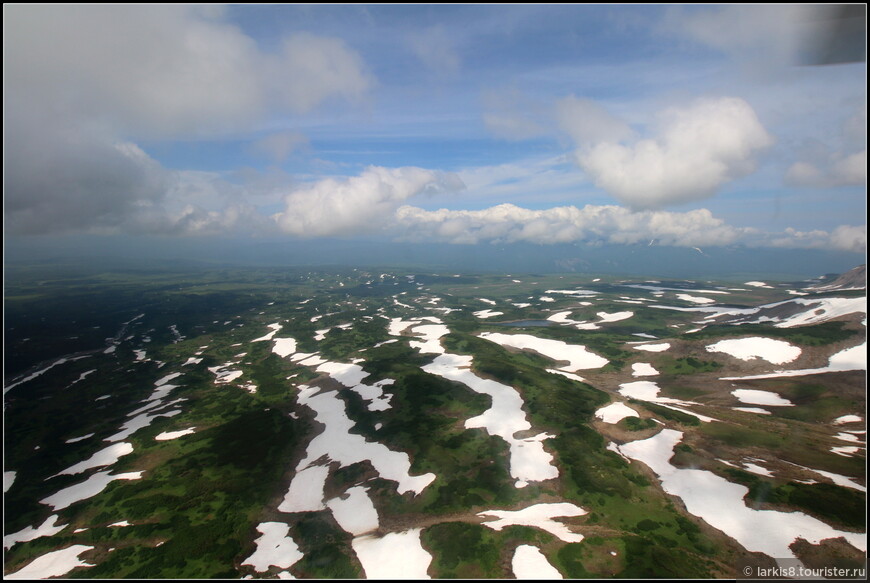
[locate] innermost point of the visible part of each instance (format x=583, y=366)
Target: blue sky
x=691, y=126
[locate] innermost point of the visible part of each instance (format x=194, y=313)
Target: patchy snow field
x=47, y=528
x=773, y=351
x=577, y=356
x=720, y=503
x=53, y=564
x=854, y=358
x=95, y=484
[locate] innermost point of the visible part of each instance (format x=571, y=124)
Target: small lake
x=525, y=323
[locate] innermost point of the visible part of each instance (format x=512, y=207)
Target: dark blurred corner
x=834, y=33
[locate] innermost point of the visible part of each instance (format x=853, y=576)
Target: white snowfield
x=397, y=555
x=431, y=338
x=305, y=493
x=757, y=397
x=615, y=412
x=839, y=480
x=274, y=548
x=818, y=310
x=577, y=356
x=337, y=443
x=614, y=316
x=355, y=514
x=168, y=435
x=773, y=351
x=104, y=457
x=48, y=528
x=529, y=461
x=854, y=358
x=95, y=484
x=487, y=313
x=720, y=503
x=653, y=347
x=539, y=516
x=284, y=347
x=643, y=369
x=530, y=563
x=661, y=289
x=848, y=419
x=53, y=564
x=224, y=374
x=695, y=299
x=8, y=479
x=275, y=327
x=603, y=317
x=649, y=391
x=41, y=371
x=351, y=376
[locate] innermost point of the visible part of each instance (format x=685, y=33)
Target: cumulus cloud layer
x=698, y=149
x=837, y=170
x=363, y=203
x=842, y=238
x=507, y=223
x=609, y=224
x=588, y=122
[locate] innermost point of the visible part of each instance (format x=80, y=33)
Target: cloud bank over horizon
x=278, y=121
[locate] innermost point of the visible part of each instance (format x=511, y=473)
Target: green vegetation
x=637, y=423
x=812, y=335
x=667, y=413
x=836, y=504
x=195, y=510
x=687, y=365
x=464, y=551
x=737, y=436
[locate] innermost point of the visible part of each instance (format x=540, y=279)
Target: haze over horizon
x=548, y=125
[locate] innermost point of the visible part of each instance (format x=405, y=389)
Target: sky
x=673, y=125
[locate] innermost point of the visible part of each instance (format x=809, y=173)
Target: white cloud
x=762, y=37
x=87, y=81
x=837, y=170
x=842, y=238
x=358, y=204
x=510, y=114
x=507, y=223
x=312, y=69
x=698, y=149
x=280, y=145
x=610, y=224
x=434, y=47
x=510, y=126
x=165, y=70
x=73, y=181
x=589, y=122
x=849, y=238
